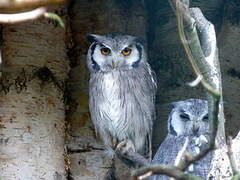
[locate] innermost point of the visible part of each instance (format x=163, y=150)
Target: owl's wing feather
x=202, y=167
x=167, y=153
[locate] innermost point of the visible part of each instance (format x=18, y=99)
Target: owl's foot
x=126, y=151
x=123, y=150
x=125, y=146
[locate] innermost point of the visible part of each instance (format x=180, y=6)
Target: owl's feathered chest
x=122, y=100
x=110, y=87
x=110, y=98
x=111, y=93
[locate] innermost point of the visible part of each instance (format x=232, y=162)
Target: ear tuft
x=172, y=104
x=169, y=105
x=92, y=38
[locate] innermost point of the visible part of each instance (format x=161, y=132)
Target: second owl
x=188, y=120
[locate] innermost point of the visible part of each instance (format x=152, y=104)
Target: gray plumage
x=188, y=119
x=121, y=91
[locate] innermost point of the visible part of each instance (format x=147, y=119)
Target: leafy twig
x=55, y=17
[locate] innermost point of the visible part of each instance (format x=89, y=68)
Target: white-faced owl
x=121, y=91
x=187, y=120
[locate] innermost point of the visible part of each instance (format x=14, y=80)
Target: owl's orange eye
x=126, y=51
x=105, y=51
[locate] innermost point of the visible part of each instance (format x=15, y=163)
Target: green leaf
x=55, y=17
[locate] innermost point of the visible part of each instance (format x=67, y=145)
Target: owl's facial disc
x=107, y=58
x=115, y=52
x=176, y=124
x=189, y=118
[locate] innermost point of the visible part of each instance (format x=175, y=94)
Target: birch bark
x=32, y=115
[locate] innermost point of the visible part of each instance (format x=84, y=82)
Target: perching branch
x=132, y=156
x=203, y=58
x=27, y=4
x=171, y=171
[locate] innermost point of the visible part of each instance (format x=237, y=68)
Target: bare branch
x=196, y=81
x=181, y=153
x=27, y=4
x=25, y=10
x=145, y=175
x=170, y=171
x=133, y=156
x=21, y=17
x=30, y=15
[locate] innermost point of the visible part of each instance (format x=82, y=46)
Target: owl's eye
x=184, y=117
x=205, y=118
x=126, y=51
x=105, y=51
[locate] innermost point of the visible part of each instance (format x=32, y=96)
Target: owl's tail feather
x=147, y=148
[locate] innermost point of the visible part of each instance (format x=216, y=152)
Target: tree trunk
x=229, y=52
x=32, y=124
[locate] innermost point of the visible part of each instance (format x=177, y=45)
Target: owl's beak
x=114, y=64
x=195, y=129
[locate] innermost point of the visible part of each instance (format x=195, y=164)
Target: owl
x=121, y=91
x=187, y=123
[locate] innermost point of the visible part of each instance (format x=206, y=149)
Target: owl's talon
x=125, y=146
